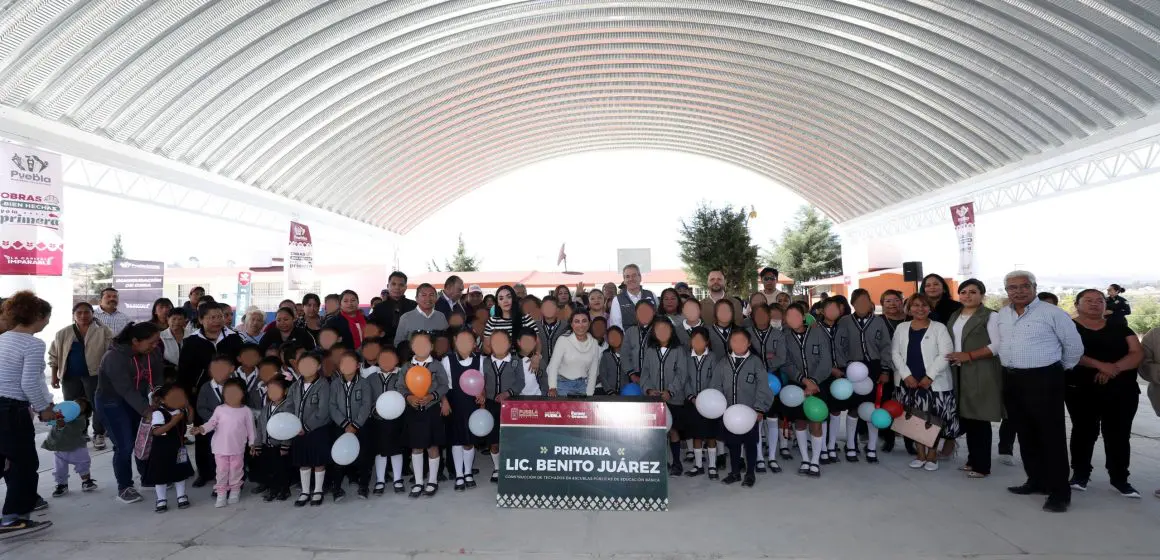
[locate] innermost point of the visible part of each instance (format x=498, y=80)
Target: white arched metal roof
x=384, y=110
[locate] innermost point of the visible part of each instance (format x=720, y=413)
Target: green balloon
x=815, y=409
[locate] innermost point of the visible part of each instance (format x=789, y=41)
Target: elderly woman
x=74, y=357
x=922, y=373
x=253, y=323
x=978, y=374
x=1102, y=393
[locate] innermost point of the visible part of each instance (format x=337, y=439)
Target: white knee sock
x=319, y=479
x=803, y=444
x=772, y=433
x=397, y=467
x=468, y=461
x=160, y=490
x=417, y=467
x=835, y=429
x=872, y=443
x=380, y=469
x=688, y=445
x=818, y=444
x=720, y=448
x=713, y=457
x=304, y=479
x=698, y=457
x=851, y=432
x=179, y=487
x=495, y=461
x=433, y=464
x=457, y=457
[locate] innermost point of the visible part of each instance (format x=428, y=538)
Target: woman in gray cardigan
x=977, y=373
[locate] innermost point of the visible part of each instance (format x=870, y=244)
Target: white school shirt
x=247, y=379
x=614, y=317
x=992, y=332
x=531, y=384
x=368, y=371
x=447, y=367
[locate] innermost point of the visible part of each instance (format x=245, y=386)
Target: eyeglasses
x=768, y=278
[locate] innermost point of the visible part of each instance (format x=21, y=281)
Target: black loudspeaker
x=912, y=271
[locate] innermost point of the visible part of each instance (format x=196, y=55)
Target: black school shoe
x=760, y=466
x=851, y=455
x=380, y=489
x=688, y=456
x=733, y=477
x=712, y=473
x=774, y=467
x=1055, y=504
x=460, y=485
x=871, y=456
x=675, y=469
x=785, y=454
x=399, y=487
x=316, y=499
x=161, y=507
x=302, y=500
x=363, y=492
x=339, y=494
x=183, y=502
x=495, y=477
x=416, y=491
x=199, y=482
x=695, y=471
x=430, y=490
x=469, y=481
x=748, y=481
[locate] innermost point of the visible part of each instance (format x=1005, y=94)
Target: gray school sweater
x=769, y=345
x=613, y=371
x=698, y=373
x=381, y=382
x=207, y=400
x=808, y=358
x=313, y=407
x=869, y=340
x=747, y=384
x=635, y=339
x=510, y=374
x=414, y=320
x=663, y=373
x=350, y=404
x=439, y=386
x=262, y=415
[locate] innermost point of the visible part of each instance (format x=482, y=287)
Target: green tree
x=718, y=239
x=460, y=261
x=1145, y=314
x=808, y=249
x=103, y=277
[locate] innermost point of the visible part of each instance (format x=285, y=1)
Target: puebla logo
x=29, y=168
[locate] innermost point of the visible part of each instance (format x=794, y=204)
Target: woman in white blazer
x=923, y=375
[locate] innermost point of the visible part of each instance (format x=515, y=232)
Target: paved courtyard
x=853, y=512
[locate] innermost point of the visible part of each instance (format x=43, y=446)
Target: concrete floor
x=853, y=512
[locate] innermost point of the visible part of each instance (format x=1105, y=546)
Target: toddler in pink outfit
x=233, y=427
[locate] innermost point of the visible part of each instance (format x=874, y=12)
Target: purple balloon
x=471, y=382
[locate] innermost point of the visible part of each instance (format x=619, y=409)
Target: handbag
x=921, y=427
x=143, y=444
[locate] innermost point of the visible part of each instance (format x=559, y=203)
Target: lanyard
x=148, y=372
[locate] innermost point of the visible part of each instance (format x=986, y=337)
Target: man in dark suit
x=395, y=303
x=448, y=301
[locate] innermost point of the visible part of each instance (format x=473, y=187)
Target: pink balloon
x=471, y=382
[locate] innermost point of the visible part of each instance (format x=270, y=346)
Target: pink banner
x=299, y=259
x=31, y=236
x=964, y=218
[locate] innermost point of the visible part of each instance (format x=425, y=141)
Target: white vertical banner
x=299, y=259
x=31, y=231
x=964, y=219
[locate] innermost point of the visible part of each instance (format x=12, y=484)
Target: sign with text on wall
x=583, y=454
x=31, y=231
x=299, y=259
x=139, y=284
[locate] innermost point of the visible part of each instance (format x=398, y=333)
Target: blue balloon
x=841, y=389
x=774, y=383
x=69, y=410
x=631, y=390
x=792, y=396
x=881, y=419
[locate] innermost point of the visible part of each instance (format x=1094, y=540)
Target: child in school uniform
x=221, y=368
x=66, y=440
x=661, y=375
x=636, y=337
x=168, y=461
x=698, y=370
x=721, y=327
x=828, y=323
x=862, y=337
x=502, y=378
x=232, y=424
x=741, y=376
x=807, y=364
x=370, y=350
x=423, y=419
x=388, y=441
x=768, y=344
x=462, y=359
x=290, y=354
x=350, y=408
x=327, y=338
x=269, y=368
x=310, y=399
x=531, y=365
x=690, y=319
x=248, y=359
x=272, y=456
x=613, y=369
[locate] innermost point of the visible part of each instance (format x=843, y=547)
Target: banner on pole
x=299, y=259
x=590, y=454
x=31, y=234
x=244, y=297
x=964, y=218
x=139, y=283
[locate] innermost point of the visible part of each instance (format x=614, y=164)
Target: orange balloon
x=418, y=380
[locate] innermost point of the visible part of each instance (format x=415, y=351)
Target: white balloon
x=792, y=396
x=857, y=371
x=865, y=410
x=390, y=405
x=345, y=449
x=864, y=387
x=283, y=426
x=739, y=419
x=711, y=403
x=480, y=423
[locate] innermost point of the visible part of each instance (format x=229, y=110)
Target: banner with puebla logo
x=964, y=218
x=299, y=259
x=140, y=283
x=583, y=454
x=31, y=236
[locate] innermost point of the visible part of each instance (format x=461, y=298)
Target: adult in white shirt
x=769, y=276
x=622, y=308
x=978, y=374
x=574, y=368
x=919, y=355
